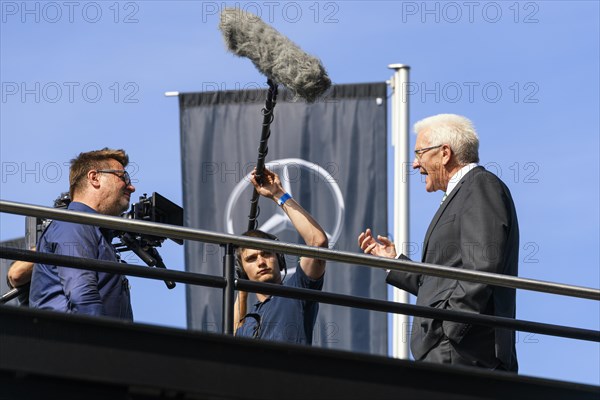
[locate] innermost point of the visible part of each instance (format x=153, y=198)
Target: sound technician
x=272, y=317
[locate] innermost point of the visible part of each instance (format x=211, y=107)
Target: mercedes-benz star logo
x=277, y=222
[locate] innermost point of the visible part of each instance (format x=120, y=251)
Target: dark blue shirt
x=282, y=318
x=76, y=290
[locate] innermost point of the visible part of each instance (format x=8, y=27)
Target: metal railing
x=229, y=284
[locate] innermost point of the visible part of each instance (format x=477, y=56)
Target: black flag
x=331, y=155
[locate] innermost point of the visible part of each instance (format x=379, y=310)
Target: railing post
x=229, y=290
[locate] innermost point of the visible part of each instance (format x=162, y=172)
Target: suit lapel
x=436, y=218
x=443, y=207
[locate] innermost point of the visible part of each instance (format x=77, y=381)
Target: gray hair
x=454, y=130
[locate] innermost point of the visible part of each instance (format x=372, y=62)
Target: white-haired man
x=475, y=228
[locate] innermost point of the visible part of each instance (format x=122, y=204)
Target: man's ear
x=94, y=178
x=446, y=154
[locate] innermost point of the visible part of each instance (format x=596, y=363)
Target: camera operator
x=98, y=184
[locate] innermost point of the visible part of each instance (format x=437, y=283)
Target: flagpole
x=400, y=142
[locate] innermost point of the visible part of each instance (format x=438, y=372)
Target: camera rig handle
x=150, y=255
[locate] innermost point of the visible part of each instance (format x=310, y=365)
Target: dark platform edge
x=45, y=352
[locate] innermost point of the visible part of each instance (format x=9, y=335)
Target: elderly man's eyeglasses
x=121, y=173
x=419, y=152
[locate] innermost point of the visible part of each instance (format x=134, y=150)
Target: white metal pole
x=399, y=83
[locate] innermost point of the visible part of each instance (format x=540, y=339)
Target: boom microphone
x=275, y=56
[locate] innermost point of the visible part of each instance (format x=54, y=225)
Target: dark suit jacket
x=475, y=228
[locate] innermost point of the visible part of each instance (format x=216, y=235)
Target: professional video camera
x=154, y=209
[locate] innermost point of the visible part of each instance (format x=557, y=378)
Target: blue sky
x=78, y=76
